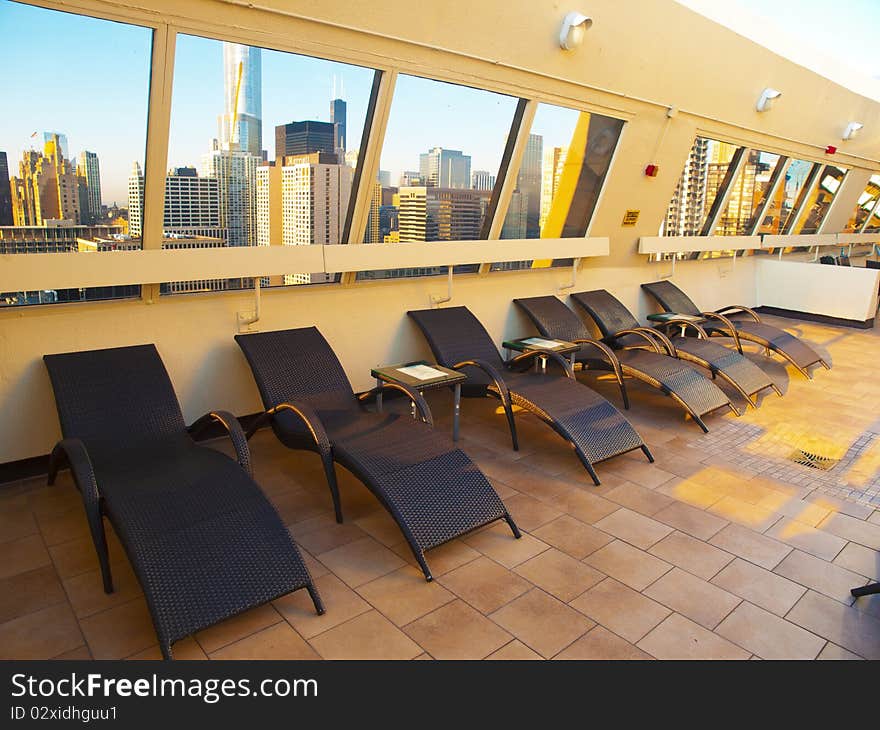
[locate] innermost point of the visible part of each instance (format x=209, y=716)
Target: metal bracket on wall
x=437, y=299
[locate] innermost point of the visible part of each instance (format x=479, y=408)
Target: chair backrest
x=116, y=397
x=872, y=264
x=297, y=365
x=454, y=334
x=606, y=310
x=843, y=260
x=553, y=318
x=671, y=298
x=827, y=260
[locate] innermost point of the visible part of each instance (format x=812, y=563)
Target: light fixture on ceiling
x=573, y=28
x=852, y=129
x=766, y=99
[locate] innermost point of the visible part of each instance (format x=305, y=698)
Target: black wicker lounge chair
x=657, y=366
x=595, y=428
x=610, y=314
x=432, y=489
x=871, y=589
x=201, y=536
x=795, y=350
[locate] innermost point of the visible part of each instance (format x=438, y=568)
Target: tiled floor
x=722, y=549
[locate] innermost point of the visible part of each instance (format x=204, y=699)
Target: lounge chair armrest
x=306, y=414
x=687, y=323
x=728, y=324
x=492, y=373
x=417, y=399
x=538, y=352
x=234, y=431
x=606, y=351
x=72, y=452
x=734, y=308
x=641, y=332
x=664, y=340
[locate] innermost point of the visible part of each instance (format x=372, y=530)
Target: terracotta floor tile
x=275, y=642
x=237, y=627
x=22, y=555
x=457, y=631
x=559, y=574
x=833, y=652
x=627, y=564
x=542, y=623
x=798, y=509
x=692, y=597
x=40, y=634
x=443, y=558
x=823, y=577
x=859, y=511
x=638, y=498
x=746, y=514
x=860, y=559
x=850, y=528
x=626, y=612
x=634, y=528
x=816, y=542
x=694, y=556
x=120, y=631
x=187, y=649
x=34, y=590
x=640, y=472
x=86, y=590
x=755, y=548
x=572, y=536
x=874, y=518
x=69, y=525
x=767, y=635
x=78, y=556
x=16, y=524
x=586, y=507
x=530, y=513
x=680, y=638
x=693, y=521
x=761, y=587
x=515, y=651
x=601, y=644
x=485, y=584
x=341, y=603
x=691, y=492
x=321, y=534
x=405, y=595
x=381, y=527
x=361, y=561
x=499, y=544
x=81, y=653
x=840, y=624
x=316, y=567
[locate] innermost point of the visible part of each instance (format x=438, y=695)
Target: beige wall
x=638, y=58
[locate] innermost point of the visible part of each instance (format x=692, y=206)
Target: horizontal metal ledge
x=809, y=239
x=693, y=244
x=858, y=238
x=367, y=257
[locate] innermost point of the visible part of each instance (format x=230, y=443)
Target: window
x=780, y=212
x=864, y=206
x=263, y=151
x=65, y=163
x=440, y=168
x=566, y=160
x=820, y=198
x=749, y=193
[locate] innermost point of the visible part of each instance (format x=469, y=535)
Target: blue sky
x=98, y=97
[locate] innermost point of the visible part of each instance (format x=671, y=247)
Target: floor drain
x=814, y=461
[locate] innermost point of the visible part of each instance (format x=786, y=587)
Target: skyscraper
x=442, y=168
x=372, y=234
x=240, y=126
x=136, y=201
x=304, y=138
x=337, y=119
x=482, y=180
x=5, y=192
x=46, y=188
x=685, y=214
x=440, y=214
x=551, y=171
x=528, y=181
x=89, y=170
x=62, y=142
x=236, y=175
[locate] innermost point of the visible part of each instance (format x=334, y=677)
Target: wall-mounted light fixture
x=766, y=99
x=852, y=129
x=573, y=28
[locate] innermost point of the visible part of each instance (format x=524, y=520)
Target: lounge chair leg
x=699, y=422
x=868, y=590
x=316, y=599
x=165, y=648
x=590, y=470
x=825, y=365
x=420, y=557
x=513, y=528
x=777, y=389
x=508, y=410
x=623, y=394
x=330, y=471
x=96, y=526
x=648, y=453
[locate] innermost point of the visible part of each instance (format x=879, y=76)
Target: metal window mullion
x=723, y=195
x=776, y=179
x=508, y=185
x=156, y=160
x=833, y=204
x=870, y=215
x=809, y=186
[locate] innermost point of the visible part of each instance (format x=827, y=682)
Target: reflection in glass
x=747, y=194
x=865, y=207
x=258, y=155
x=785, y=199
x=820, y=199
x=64, y=189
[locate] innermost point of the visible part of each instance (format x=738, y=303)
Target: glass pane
x=820, y=199
x=864, y=206
x=564, y=166
x=785, y=198
x=263, y=151
x=747, y=194
x=444, y=166
x=65, y=164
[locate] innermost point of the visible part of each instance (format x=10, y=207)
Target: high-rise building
x=686, y=209
x=337, y=119
x=528, y=181
x=372, y=235
x=737, y=214
x=384, y=178
x=136, y=201
x=304, y=138
x=5, y=192
x=442, y=168
x=350, y=158
x=482, y=180
x=46, y=188
x=516, y=220
x=61, y=140
x=410, y=178
x=440, y=214
x=88, y=169
x=551, y=172
x=236, y=175
x=240, y=126
x=269, y=204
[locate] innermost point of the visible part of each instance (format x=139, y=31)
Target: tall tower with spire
x=240, y=126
